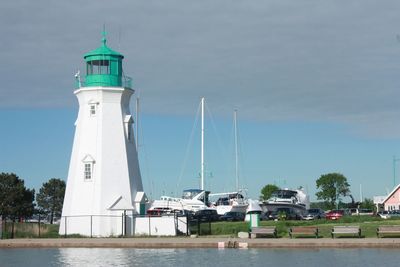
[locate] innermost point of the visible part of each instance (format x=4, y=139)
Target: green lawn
x=31, y=230
x=368, y=226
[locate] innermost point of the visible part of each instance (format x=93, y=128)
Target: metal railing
x=10, y=229
x=126, y=82
x=119, y=225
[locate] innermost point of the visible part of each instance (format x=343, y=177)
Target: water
x=200, y=257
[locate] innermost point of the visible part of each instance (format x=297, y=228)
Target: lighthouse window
x=92, y=110
x=88, y=171
x=98, y=67
x=89, y=68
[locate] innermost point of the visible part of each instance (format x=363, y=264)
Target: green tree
x=331, y=187
x=368, y=204
x=267, y=190
x=51, y=197
x=16, y=201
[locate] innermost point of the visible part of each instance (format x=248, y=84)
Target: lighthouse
x=104, y=189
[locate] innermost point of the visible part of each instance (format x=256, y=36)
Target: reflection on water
x=199, y=257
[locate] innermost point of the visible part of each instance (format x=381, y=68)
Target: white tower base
x=104, y=182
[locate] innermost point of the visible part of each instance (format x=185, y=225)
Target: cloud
x=287, y=60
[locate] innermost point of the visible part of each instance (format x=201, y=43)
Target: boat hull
x=222, y=209
x=270, y=207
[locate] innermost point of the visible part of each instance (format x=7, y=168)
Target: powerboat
x=297, y=199
x=191, y=201
x=227, y=202
x=231, y=201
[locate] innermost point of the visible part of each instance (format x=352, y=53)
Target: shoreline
x=201, y=242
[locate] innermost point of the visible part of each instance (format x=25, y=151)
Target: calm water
x=200, y=257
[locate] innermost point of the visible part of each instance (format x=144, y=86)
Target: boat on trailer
x=230, y=201
x=197, y=199
x=287, y=198
x=191, y=201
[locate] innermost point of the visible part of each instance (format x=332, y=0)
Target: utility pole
x=394, y=170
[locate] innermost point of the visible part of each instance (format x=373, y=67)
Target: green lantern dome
x=104, y=67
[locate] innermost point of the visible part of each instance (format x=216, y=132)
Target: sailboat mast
x=202, y=144
x=236, y=150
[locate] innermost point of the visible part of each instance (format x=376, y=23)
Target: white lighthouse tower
x=104, y=187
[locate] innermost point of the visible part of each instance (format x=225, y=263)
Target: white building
x=104, y=186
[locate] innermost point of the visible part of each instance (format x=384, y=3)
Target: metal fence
x=200, y=227
x=126, y=82
x=9, y=229
x=123, y=225
x=116, y=225
x=88, y=225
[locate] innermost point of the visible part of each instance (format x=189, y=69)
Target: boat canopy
x=283, y=194
x=191, y=193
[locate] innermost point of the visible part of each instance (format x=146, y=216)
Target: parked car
x=313, y=214
x=384, y=214
x=362, y=212
x=394, y=213
x=233, y=216
x=335, y=214
x=206, y=215
x=285, y=214
x=265, y=216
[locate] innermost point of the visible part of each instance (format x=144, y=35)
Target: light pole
x=394, y=170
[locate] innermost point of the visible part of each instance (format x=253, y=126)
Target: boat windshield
x=191, y=193
x=283, y=194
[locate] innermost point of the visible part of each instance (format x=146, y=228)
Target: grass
x=368, y=225
x=30, y=230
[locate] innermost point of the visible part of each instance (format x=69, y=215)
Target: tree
x=267, y=191
x=51, y=197
x=368, y=204
x=332, y=186
x=16, y=201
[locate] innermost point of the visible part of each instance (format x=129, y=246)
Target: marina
x=194, y=200
x=308, y=178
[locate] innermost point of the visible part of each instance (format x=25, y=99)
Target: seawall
x=202, y=242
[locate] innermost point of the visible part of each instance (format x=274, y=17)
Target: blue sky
x=316, y=85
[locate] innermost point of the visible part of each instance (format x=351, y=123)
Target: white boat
x=196, y=199
x=191, y=201
x=296, y=199
x=230, y=201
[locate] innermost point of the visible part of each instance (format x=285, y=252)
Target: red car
x=335, y=214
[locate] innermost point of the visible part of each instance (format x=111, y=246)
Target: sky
x=316, y=85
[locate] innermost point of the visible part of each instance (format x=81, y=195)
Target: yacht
x=230, y=201
x=191, y=201
x=296, y=199
x=197, y=199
